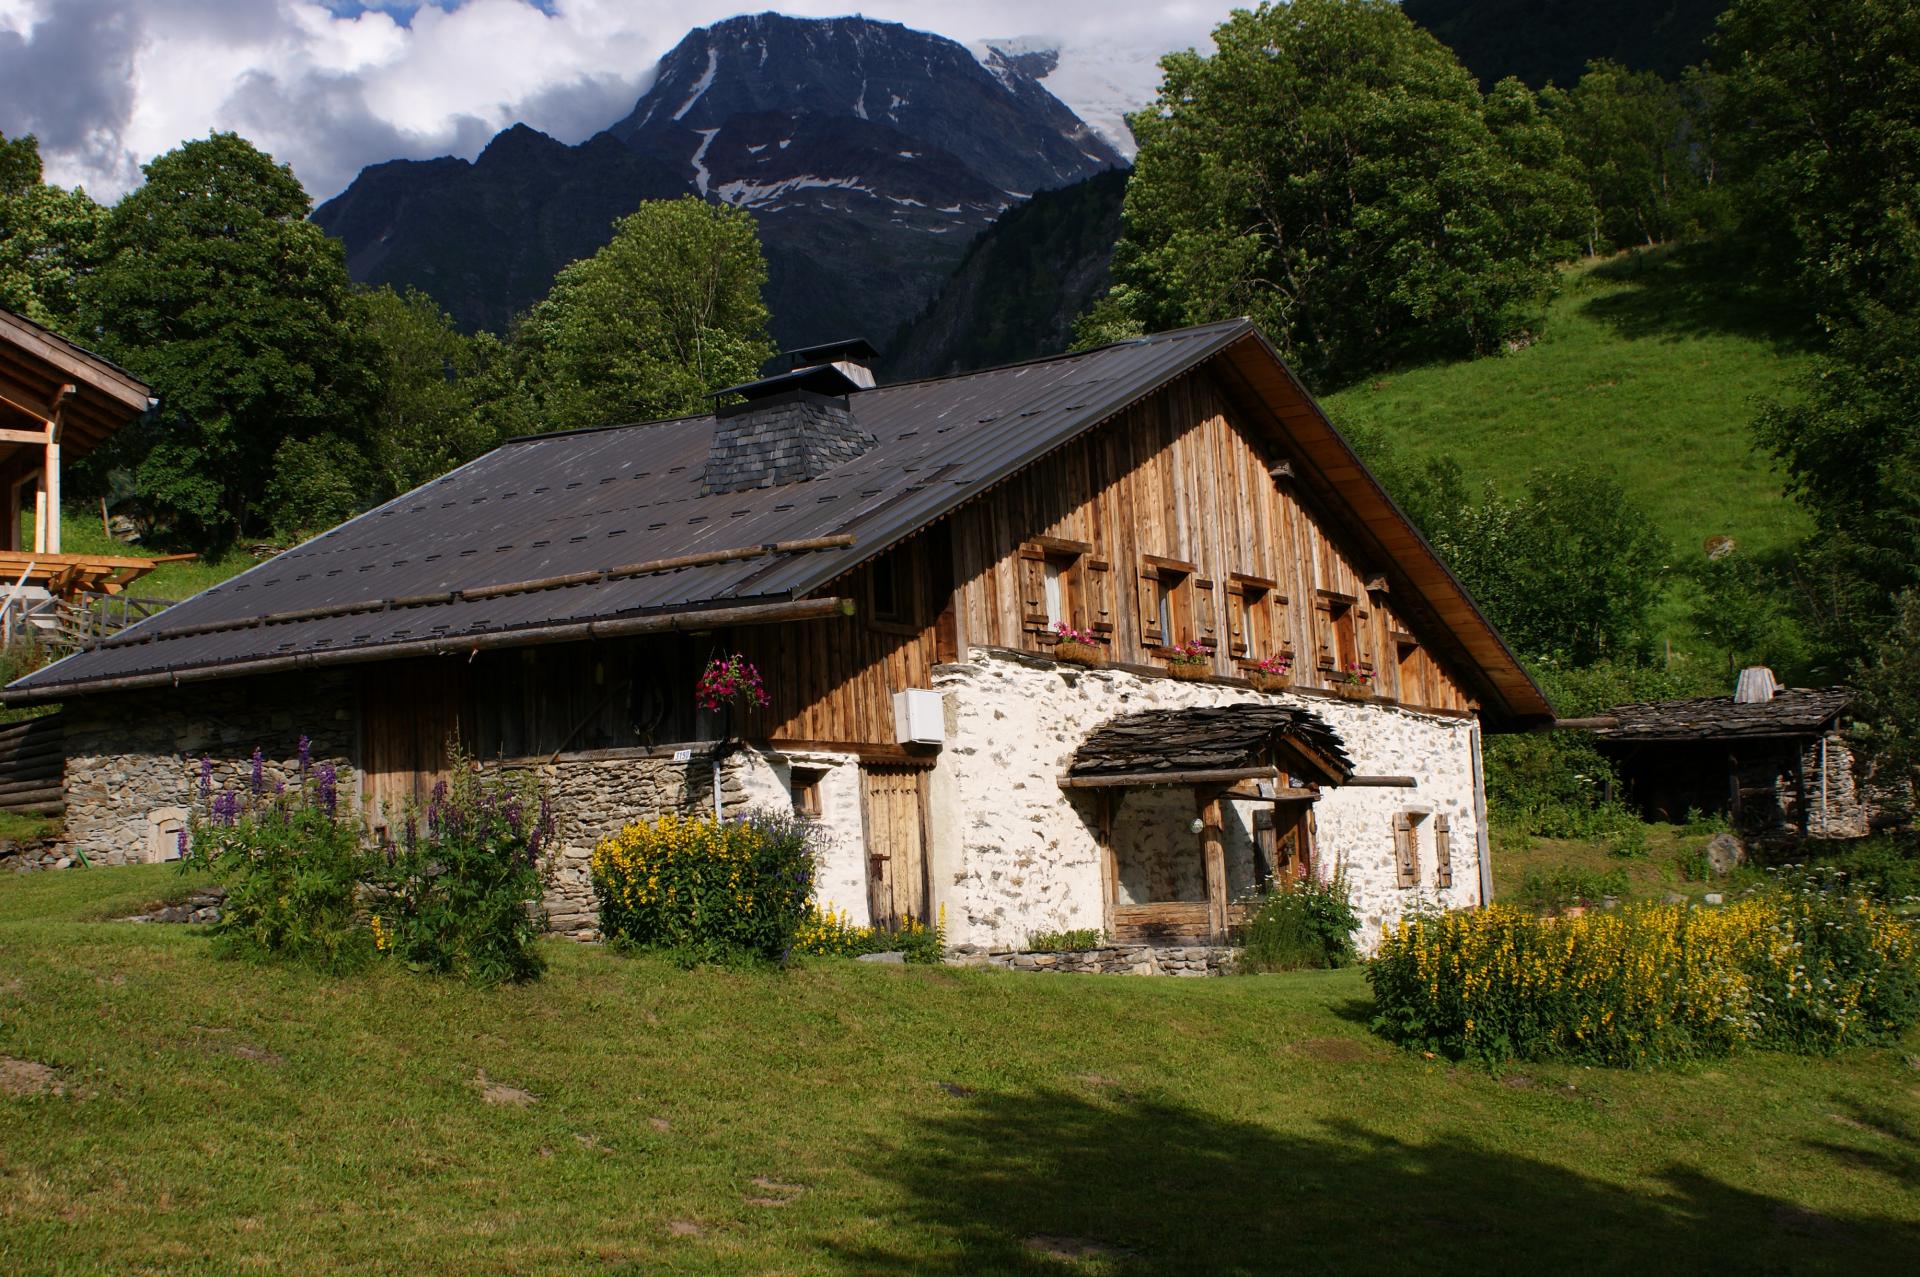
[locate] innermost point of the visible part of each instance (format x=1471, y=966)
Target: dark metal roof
x=550, y=505
x=822, y=379
x=1793, y=711
x=1207, y=738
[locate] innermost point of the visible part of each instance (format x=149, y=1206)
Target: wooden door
x=896, y=821
x=409, y=711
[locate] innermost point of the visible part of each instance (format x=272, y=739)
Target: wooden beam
x=35, y=437
x=1382, y=782
x=1141, y=780
x=1213, y=850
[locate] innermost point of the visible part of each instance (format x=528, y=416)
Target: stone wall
x=1841, y=810
x=1125, y=959
x=596, y=794
x=133, y=759
x=1014, y=854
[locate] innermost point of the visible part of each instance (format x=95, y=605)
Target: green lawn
x=842, y=1117
x=1649, y=365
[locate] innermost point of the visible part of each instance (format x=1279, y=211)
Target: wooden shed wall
x=1178, y=478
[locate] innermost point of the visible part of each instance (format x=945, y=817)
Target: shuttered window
x=1442, y=853
x=1251, y=618
x=1054, y=586
x=1206, y=614
x=1406, y=849
x=1167, y=591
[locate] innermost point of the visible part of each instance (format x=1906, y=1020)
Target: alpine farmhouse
x=898, y=561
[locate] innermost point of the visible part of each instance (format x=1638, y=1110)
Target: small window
x=1253, y=630
x=1166, y=603
x=1338, y=640
x=1406, y=847
x=1058, y=586
x=803, y=783
x=890, y=591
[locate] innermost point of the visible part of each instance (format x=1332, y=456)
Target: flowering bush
x=1808, y=970
x=460, y=892
x=291, y=862
x=730, y=680
x=828, y=934
x=1191, y=652
x=706, y=889
x=1278, y=663
x=304, y=882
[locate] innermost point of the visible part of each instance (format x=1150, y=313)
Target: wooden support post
x=1109, y=867
x=1213, y=850
x=50, y=468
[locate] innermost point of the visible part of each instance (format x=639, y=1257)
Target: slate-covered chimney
x=794, y=425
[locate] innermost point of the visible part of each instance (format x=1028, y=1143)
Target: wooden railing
x=68, y=625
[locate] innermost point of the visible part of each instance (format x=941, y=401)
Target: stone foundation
x=133, y=760
x=1131, y=959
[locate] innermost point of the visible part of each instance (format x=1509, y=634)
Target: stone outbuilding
x=1111, y=641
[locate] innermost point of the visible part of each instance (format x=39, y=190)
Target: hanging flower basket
x=1361, y=691
x=1077, y=647
x=730, y=680
x=1265, y=682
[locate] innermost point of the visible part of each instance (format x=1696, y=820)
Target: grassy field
x=81, y=533
x=1649, y=366
x=165, y=1111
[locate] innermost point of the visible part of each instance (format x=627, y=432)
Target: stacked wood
x=33, y=761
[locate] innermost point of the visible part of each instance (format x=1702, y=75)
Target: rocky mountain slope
x=869, y=153
x=1021, y=285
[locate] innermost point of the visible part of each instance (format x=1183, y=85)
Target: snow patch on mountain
x=1101, y=82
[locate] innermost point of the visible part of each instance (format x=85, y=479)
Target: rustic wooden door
x=896, y=821
x=409, y=711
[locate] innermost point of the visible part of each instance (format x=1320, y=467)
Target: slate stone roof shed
x=1777, y=768
x=1209, y=744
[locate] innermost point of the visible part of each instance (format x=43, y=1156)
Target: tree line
x=292, y=398
x=1335, y=173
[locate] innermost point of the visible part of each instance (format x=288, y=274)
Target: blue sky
x=330, y=86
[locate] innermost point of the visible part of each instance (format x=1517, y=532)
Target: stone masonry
x=1014, y=854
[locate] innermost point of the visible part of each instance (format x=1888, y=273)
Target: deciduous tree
x=1330, y=171
x=48, y=239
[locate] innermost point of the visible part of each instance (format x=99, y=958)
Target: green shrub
x=1563, y=886
x=709, y=890
x=1805, y=970
x=460, y=892
x=1883, y=867
x=292, y=863
x=1075, y=941
x=1299, y=924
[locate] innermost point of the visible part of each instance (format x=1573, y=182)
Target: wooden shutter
x=1363, y=637
x=1033, y=588
x=1282, y=620
x=1206, y=616
x=1237, y=619
x=1099, y=595
x=1406, y=852
x=1323, y=633
x=1150, y=634
x=1442, y=853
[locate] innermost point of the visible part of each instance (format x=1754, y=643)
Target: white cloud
x=109, y=84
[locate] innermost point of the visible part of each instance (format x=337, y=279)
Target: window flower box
x=1353, y=684
x=1077, y=647
x=1271, y=674
x=1192, y=660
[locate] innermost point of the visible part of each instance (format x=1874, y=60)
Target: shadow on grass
x=1052, y=1181
x=1694, y=291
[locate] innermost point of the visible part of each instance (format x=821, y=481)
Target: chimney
x=1756, y=686
x=792, y=426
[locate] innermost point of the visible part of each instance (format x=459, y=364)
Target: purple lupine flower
x=259, y=775
x=183, y=842
x=512, y=813
x=306, y=755
x=328, y=781
x=206, y=777
x=533, y=846
x=279, y=789
x=412, y=833
x=226, y=808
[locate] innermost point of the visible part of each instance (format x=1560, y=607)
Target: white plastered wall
x=1012, y=853
x=763, y=780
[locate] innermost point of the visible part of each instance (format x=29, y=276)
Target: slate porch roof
x=1793, y=711
x=1205, y=738
x=584, y=501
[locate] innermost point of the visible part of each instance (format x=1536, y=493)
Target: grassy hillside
x=1649, y=365
x=628, y=1116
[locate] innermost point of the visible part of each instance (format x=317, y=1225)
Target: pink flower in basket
x=730, y=680
x=1067, y=634
x=1191, y=652
x=1354, y=676
x=1278, y=663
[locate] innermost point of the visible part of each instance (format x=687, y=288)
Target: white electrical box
x=919, y=717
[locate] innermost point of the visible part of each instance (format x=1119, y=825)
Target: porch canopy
x=1209, y=745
